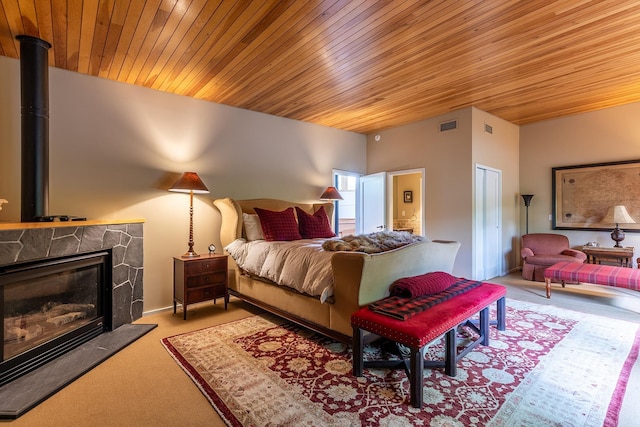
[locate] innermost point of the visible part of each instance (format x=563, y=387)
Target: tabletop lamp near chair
x=617, y=215
x=190, y=183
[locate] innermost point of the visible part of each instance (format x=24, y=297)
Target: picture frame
x=583, y=194
x=408, y=196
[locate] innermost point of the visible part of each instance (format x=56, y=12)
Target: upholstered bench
x=424, y=327
x=563, y=272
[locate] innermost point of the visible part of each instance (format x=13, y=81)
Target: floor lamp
x=190, y=183
x=527, y=201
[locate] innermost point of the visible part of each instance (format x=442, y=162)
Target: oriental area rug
x=551, y=367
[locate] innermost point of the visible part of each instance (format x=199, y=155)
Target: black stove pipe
x=34, y=92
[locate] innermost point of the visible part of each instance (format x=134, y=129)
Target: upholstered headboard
x=231, y=211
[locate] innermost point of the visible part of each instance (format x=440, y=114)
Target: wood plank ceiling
x=358, y=65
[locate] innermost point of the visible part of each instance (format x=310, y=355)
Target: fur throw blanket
x=372, y=243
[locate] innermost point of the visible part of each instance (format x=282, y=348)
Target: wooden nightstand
x=199, y=279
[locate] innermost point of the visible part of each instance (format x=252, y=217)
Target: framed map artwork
x=583, y=194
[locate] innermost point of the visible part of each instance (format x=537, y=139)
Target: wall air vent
x=450, y=125
x=488, y=128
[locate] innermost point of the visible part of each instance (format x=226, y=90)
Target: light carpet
x=551, y=367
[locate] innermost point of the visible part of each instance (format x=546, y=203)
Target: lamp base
x=617, y=236
x=190, y=254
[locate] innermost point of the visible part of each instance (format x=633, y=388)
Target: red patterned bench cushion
x=424, y=327
x=621, y=277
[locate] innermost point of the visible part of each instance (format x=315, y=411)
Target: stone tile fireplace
x=95, y=267
x=41, y=241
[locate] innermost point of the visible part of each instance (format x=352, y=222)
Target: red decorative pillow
x=425, y=284
x=278, y=225
x=314, y=226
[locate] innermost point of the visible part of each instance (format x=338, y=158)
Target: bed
x=357, y=278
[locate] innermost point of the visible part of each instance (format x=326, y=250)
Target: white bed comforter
x=300, y=264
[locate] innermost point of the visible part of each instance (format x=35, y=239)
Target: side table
x=199, y=279
x=622, y=257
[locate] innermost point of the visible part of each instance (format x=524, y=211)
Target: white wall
x=449, y=160
x=446, y=158
x=500, y=150
x=608, y=135
x=116, y=148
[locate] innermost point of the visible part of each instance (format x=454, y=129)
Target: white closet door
x=488, y=223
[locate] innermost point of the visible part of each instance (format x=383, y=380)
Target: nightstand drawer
x=205, y=266
x=218, y=277
x=203, y=294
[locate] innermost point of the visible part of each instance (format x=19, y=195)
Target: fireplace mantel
x=5, y=225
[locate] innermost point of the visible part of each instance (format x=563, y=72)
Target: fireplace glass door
x=48, y=303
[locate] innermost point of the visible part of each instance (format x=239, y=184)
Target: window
x=345, y=212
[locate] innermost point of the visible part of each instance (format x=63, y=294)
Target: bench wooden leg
x=484, y=325
x=358, y=357
x=416, y=373
x=547, y=284
x=450, y=353
x=501, y=314
x=500, y=320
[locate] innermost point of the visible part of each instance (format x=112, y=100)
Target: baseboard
x=157, y=310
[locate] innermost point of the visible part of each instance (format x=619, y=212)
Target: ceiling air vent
x=451, y=125
x=488, y=128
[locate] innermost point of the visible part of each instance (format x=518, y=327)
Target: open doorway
x=406, y=201
x=401, y=202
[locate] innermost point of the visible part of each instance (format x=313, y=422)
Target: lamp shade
x=527, y=199
x=331, y=193
x=189, y=182
x=618, y=215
